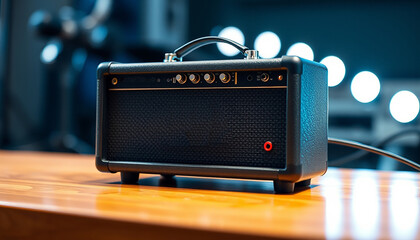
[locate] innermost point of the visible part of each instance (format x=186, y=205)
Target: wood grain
x=52, y=196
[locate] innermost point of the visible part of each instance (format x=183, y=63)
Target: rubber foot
x=283, y=186
x=304, y=183
x=129, y=177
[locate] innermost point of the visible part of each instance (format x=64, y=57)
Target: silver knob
x=194, y=78
x=225, y=78
x=209, y=78
x=180, y=78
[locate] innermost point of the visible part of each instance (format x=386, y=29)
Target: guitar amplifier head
x=250, y=118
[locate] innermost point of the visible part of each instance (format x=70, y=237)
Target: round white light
x=268, y=44
x=232, y=33
x=365, y=87
x=301, y=50
x=50, y=53
x=336, y=70
x=404, y=106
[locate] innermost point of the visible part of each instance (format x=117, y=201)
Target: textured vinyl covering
x=314, y=119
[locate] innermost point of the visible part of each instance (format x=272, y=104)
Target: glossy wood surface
x=52, y=196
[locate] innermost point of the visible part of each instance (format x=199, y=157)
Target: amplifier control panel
x=209, y=79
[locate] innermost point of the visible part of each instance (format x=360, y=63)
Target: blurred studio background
x=50, y=49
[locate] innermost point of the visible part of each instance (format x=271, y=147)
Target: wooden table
x=63, y=196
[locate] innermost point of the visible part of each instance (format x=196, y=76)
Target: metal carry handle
x=187, y=48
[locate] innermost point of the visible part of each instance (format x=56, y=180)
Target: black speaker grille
x=197, y=126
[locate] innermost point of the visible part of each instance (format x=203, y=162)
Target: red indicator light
x=268, y=146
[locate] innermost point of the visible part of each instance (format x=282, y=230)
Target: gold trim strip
x=191, y=88
x=236, y=78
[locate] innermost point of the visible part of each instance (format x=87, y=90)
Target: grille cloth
x=212, y=127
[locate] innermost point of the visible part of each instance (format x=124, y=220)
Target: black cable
x=360, y=154
x=375, y=150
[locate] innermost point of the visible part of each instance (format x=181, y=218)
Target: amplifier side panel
x=314, y=119
x=100, y=162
